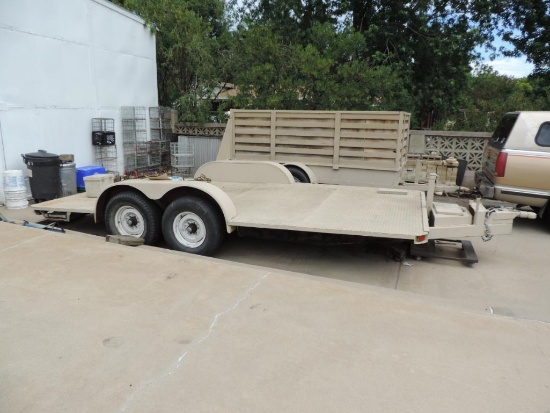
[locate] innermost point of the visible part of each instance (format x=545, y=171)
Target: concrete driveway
x=90, y=326
x=511, y=277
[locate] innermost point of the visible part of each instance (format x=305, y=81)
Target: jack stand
x=440, y=249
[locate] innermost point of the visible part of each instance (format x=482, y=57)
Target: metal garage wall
x=205, y=149
x=63, y=63
x=205, y=138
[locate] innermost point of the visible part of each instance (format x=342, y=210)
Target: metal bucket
x=67, y=172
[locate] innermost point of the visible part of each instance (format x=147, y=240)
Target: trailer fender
x=260, y=172
x=305, y=169
x=164, y=192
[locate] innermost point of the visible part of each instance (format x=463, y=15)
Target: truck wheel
x=192, y=224
x=128, y=213
x=298, y=175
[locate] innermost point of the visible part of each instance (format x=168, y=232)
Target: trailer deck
x=74, y=203
x=332, y=209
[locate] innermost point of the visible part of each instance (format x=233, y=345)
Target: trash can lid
x=41, y=154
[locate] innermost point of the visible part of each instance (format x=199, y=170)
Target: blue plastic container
x=83, y=171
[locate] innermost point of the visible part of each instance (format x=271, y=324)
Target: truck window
x=543, y=135
x=503, y=130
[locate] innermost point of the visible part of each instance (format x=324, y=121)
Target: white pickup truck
x=194, y=215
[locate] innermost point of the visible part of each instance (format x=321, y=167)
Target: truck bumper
x=514, y=195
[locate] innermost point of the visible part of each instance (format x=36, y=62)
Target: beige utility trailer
x=194, y=215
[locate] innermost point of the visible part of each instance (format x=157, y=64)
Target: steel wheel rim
x=189, y=229
x=129, y=221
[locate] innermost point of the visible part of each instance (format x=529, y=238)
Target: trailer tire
x=192, y=224
x=298, y=175
x=129, y=213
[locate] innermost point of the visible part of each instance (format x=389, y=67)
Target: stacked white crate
x=182, y=156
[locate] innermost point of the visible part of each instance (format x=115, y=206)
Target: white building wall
x=62, y=63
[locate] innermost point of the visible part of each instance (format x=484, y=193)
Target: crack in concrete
x=172, y=371
x=22, y=243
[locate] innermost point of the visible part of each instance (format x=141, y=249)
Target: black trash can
x=43, y=174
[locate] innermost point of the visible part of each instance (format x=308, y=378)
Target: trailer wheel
x=192, y=224
x=128, y=213
x=298, y=175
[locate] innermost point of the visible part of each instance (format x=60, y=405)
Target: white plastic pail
x=15, y=190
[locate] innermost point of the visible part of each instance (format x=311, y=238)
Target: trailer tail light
x=500, y=165
x=420, y=238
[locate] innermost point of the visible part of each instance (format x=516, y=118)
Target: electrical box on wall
x=104, y=143
x=103, y=131
x=103, y=138
x=97, y=138
x=108, y=138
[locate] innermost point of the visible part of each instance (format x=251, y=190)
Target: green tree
x=525, y=24
x=326, y=74
x=427, y=44
x=488, y=97
x=189, y=38
x=347, y=55
x=434, y=41
x=291, y=19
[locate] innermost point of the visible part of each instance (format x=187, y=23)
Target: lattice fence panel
x=450, y=144
x=208, y=129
